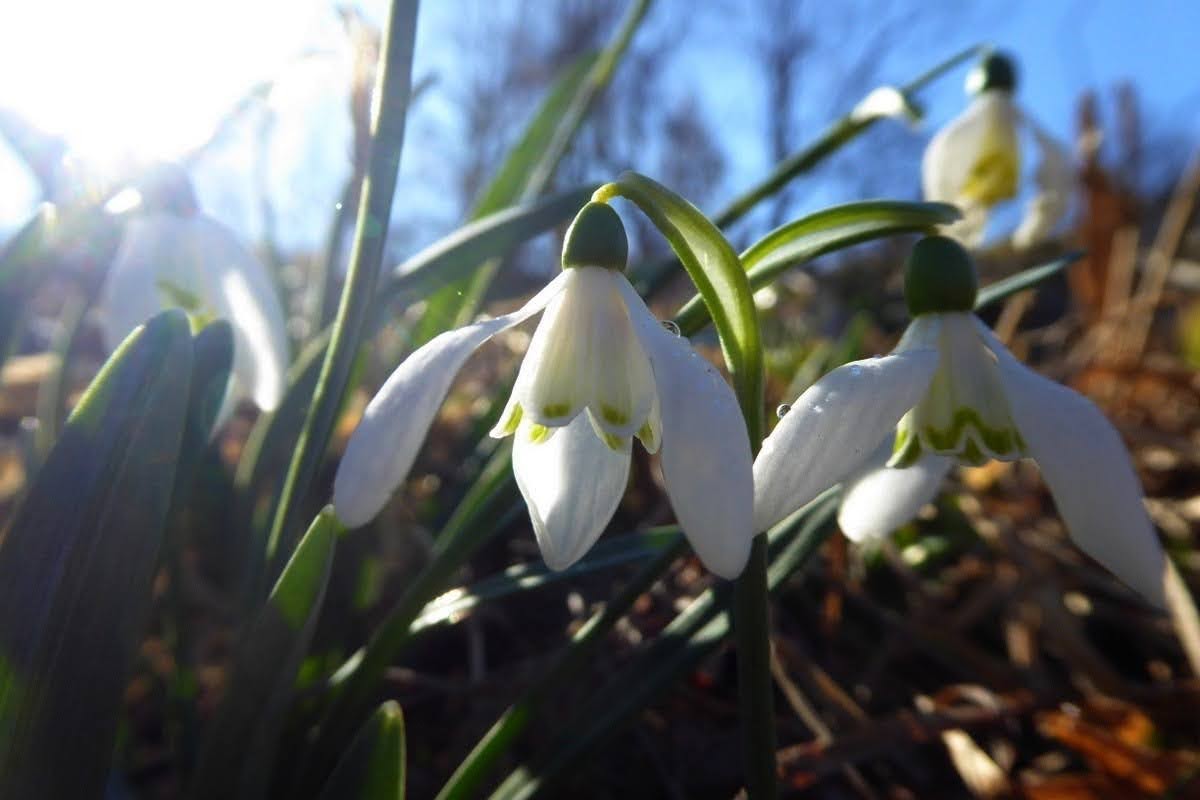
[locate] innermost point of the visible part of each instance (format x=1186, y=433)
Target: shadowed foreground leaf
x=77, y=563
x=374, y=766
x=239, y=746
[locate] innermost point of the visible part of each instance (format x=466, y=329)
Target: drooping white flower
x=193, y=262
x=890, y=428
x=975, y=160
x=600, y=370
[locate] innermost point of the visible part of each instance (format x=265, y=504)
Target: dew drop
x=818, y=409
x=671, y=327
x=856, y=370
x=782, y=410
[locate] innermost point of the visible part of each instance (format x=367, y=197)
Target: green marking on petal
x=972, y=455
x=906, y=450
x=178, y=296
x=514, y=419
x=539, y=433
x=993, y=177
x=613, y=441
x=556, y=409
x=1000, y=442
x=613, y=416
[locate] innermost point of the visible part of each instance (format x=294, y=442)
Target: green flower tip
x=994, y=71
x=596, y=239
x=938, y=277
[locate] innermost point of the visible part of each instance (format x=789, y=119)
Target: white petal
x=552, y=385
x=833, y=428
x=585, y=354
x=382, y=449
x=880, y=499
x=705, y=449
x=572, y=484
x=1055, y=182
x=1088, y=471
x=958, y=153
x=161, y=254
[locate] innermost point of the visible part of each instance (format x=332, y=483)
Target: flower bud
x=939, y=277
x=596, y=239
x=994, y=71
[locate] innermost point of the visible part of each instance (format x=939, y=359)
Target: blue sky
x=116, y=91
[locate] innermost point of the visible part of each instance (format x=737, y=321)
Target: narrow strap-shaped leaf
x=454, y=257
x=533, y=162
x=692, y=635
x=373, y=768
x=612, y=551
x=390, y=111
x=714, y=267
x=239, y=746
x=825, y=231
x=649, y=277
x=569, y=663
x=456, y=299
x=1023, y=280
x=258, y=481
x=483, y=512
x=76, y=566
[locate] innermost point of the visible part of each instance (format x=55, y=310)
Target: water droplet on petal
x=856, y=370
x=782, y=410
x=671, y=327
x=818, y=409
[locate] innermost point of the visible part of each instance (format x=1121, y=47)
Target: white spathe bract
x=951, y=392
x=599, y=371
x=197, y=263
x=974, y=162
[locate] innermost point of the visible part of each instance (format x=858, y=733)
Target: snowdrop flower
x=600, y=370
x=891, y=428
x=975, y=161
x=190, y=261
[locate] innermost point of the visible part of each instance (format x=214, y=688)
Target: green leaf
x=714, y=267
x=240, y=744
x=458, y=298
x=532, y=163
x=1023, y=280
x=373, y=768
x=77, y=563
x=648, y=278
x=612, y=551
x=490, y=505
x=265, y=456
x=392, y=93
x=825, y=231
x=453, y=258
x=694, y=634
x=570, y=662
